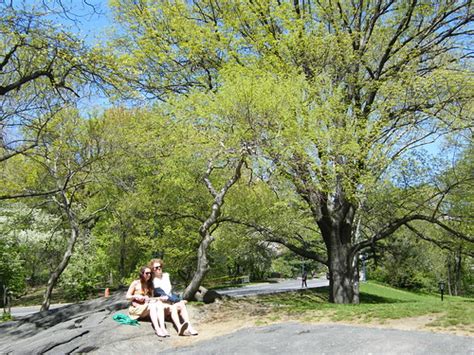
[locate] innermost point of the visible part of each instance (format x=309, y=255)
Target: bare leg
x=160, y=309
x=177, y=321
x=156, y=318
x=183, y=312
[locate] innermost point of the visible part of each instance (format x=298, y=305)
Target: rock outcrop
x=86, y=327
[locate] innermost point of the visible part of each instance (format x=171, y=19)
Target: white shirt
x=163, y=283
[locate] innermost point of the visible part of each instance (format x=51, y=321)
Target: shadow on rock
x=82, y=327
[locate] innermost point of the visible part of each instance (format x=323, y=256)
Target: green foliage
x=85, y=274
x=285, y=268
x=6, y=317
x=436, y=254
x=237, y=253
x=12, y=273
x=30, y=244
x=410, y=264
x=291, y=266
x=329, y=97
x=328, y=114
x=44, y=68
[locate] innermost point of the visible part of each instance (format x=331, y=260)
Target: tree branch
x=393, y=226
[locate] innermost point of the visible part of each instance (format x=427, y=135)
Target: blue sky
x=93, y=24
x=89, y=22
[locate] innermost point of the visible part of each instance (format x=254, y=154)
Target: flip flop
x=183, y=328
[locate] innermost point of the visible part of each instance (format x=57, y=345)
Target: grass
x=378, y=303
x=34, y=297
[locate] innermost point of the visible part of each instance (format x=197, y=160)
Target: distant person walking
x=303, y=279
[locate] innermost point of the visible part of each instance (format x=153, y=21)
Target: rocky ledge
x=86, y=327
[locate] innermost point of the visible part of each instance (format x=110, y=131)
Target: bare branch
x=393, y=226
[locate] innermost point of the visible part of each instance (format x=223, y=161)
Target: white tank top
x=163, y=283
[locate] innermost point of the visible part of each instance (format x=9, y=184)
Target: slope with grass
x=379, y=304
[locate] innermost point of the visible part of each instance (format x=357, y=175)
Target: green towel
x=124, y=319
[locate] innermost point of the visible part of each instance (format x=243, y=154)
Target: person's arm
x=131, y=293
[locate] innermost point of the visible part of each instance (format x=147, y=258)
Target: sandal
x=183, y=328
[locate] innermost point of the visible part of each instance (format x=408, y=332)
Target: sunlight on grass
x=378, y=303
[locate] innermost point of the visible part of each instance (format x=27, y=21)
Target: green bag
x=124, y=319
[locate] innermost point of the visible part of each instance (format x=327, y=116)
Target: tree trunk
x=344, y=276
x=53, y=279
x=337, y=231
x=450, y=289
x=201, y=269
x=122, y=255
x=204, y=229
x=5, y=298
x=457, y=272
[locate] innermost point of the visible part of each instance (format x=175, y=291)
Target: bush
x=83, y=276
x=12, y=273
x=6, y=317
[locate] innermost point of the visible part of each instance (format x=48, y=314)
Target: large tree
x=335, y=92
x=44, y=67
x=69, y=163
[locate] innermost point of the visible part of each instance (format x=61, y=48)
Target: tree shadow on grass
x=365, y=298
x=368, y=298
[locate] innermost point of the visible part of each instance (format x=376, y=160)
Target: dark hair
x=147, y=285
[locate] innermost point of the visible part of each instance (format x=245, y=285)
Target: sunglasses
x=147, y=273
x=157, y=268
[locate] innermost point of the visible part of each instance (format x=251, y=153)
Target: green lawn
x=378, y=303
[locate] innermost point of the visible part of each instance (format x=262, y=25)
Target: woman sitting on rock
x=177, y=310
x=140, y=293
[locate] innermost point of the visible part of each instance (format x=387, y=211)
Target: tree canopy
x=299, y=124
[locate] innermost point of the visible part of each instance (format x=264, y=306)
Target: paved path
x=296, y=338
x=266, y=288
x=24, y=311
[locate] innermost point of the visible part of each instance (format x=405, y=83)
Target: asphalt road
x=266, y=288
x=24, y=311
x=294, y=338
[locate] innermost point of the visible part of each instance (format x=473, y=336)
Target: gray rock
x=79, y=328
x=297, y=338
x=207, y=296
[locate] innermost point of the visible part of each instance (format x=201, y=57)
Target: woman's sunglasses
x=147, y=273
x=157, y=268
